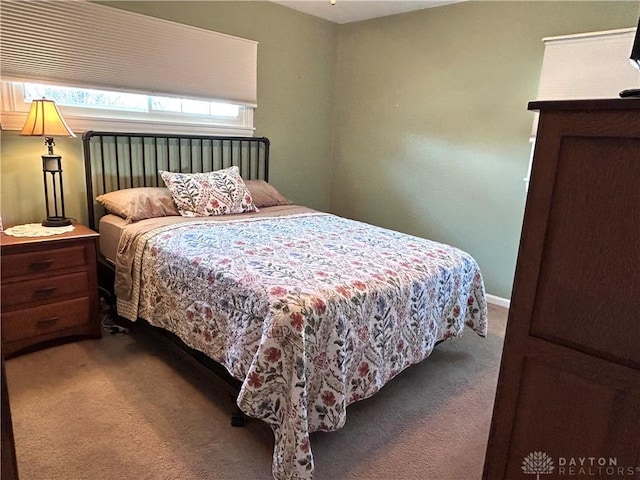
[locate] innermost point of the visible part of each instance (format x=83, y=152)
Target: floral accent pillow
x=206, y=194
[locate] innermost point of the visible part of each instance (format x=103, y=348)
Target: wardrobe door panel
x=587, y=294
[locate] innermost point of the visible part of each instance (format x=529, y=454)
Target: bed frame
x=115, y=161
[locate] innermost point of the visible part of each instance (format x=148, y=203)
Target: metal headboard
x=115, y=161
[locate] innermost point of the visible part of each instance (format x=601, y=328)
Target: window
x=192, y=68
x=94, y=109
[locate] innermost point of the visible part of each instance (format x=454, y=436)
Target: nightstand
x=49, y=288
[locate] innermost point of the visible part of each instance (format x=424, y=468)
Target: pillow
x=206, y=194
x=135, y=204
x=265, y=195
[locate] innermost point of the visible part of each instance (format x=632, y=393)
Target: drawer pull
x=45, y=291
x=48, y=321
x=41, y=265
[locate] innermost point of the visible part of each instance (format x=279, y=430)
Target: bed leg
x=238, y=418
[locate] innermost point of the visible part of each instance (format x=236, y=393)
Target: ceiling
x=346, y=11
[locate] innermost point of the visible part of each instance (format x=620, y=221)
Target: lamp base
x=56, y=222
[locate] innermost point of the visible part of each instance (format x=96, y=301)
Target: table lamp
x=44, y=120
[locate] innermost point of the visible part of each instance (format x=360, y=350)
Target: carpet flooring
x=134, y=406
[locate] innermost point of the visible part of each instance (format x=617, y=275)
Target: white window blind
x=88, y=45
x=588, y=65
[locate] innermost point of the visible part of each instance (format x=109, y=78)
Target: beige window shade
x=586, y=66
x=83, y=44
x=589, y=65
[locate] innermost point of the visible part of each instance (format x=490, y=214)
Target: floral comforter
x=310, y=311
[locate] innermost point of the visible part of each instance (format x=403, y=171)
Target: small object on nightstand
x=49, y=288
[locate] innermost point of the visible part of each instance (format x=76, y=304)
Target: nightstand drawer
x=32, y=322
x=30, y=263
x=45, y=289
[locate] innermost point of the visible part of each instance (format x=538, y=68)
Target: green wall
x=416, y=122
x=432, y=128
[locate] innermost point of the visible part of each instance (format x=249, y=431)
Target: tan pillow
x=265, y=195
x=135, y=204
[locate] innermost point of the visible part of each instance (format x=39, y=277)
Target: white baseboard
x=499, y=301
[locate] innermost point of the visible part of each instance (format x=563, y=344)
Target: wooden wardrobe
x=568, y=393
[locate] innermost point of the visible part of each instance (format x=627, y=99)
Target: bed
x=308, y=311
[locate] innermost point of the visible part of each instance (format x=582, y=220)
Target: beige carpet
x=134, y=407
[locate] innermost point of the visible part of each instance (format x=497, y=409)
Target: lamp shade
x=45, y=120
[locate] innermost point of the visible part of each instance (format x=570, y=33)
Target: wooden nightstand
x=49, y=288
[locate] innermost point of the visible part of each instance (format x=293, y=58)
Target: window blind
x=589, y=65
x=83, y=44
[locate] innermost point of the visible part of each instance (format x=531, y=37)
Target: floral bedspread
x=311, y=312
